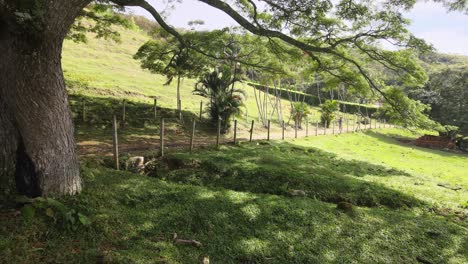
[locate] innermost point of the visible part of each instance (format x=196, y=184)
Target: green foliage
x=232, y=46
x=446, y=93
x=98, y=18
x=169, y=58
x=28, y=212
x=53, y=210
x=225, y=100
x=299, y=111
x=406, y=112
x=328, y=110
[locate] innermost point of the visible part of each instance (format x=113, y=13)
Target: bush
x=328, y=110
x=299, y=111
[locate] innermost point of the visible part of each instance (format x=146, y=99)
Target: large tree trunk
x=37, y=139
x=8, y=147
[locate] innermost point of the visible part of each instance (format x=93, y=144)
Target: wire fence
x=172, y=130
x=256, y=132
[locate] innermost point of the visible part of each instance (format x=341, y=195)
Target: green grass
x=237, y=202
x=427, y=167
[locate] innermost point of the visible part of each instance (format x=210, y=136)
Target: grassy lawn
x=423, y=169
x=243, y=204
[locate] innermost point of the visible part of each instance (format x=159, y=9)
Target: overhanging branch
x=226, y=8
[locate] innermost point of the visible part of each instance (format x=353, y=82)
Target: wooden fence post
x=295, y=127
x=180, y=109
x=218, y=133
x=307, y=126
x=155, y=108
x=325, y=128
x=316, y=128
x=347, y=125
x=192, y=136
x=115, y=143
x=161, y=138
x=384, y=123
x=268, y=133
x=124, y=110
x=235, y=132
x=282, y=130
x=251, y=130
x=354, y=125
x=333, y=127
x=201, y=110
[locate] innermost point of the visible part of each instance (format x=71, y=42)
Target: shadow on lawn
x=134, y=218
x=249, y=228
x=283, y=168
x=141, y=130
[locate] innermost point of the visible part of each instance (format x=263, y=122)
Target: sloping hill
x=106, y=69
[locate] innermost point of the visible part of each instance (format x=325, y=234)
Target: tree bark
x=37, y=137
x=8, y=147
x=179, y=103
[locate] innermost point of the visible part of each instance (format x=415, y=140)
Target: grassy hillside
x=261, y=203
x=106, y=69
x=103, y=73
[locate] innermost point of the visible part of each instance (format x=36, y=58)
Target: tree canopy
x=341, y=39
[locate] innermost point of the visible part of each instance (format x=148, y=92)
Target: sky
x=446, y=31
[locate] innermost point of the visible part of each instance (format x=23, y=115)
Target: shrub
x=299, y=111
x=328, y=110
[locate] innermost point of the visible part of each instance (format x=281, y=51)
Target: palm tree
x=328, y=110
x=225, y=101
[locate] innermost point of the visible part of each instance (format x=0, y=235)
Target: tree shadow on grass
x=283, y=169
x=141, y=129
x=240, y=227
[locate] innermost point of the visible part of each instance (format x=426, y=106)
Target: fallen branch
x=190, y=242
x=449, y=187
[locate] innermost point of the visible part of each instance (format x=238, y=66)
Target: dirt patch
x=436, y=142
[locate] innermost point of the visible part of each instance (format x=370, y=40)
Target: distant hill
x=439, y=61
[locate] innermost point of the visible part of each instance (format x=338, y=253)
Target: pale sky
x=447, y=31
